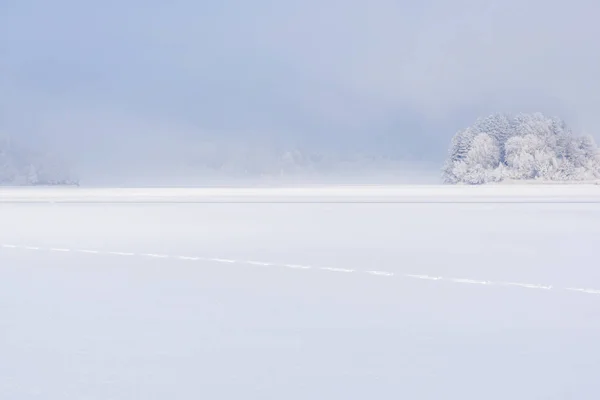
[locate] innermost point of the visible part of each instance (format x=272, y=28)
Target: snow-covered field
x=312, y=194
x=325, y=292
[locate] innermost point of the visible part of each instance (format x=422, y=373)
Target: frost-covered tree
x=523, y=147
x=498, y=126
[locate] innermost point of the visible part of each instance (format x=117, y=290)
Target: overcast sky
x=101, y=78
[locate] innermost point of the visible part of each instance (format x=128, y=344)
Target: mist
x=137, y=92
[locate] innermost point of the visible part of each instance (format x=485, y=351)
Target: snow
x=323, y=292
x=311, y=194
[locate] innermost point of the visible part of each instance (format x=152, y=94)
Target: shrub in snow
x=523, y=147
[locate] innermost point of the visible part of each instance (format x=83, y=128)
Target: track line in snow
x=223, y=260
x=260, y=263
x=336, y=269
x=295, y=266
x=379, y=273
x=152, y=255
x=471, y=281
x=187, y=258
x=527, y=285
x=425, y=277
x=120, y=253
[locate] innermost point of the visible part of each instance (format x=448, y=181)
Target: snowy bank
x=310, y=194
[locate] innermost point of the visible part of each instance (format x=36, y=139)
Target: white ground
x=354, y=292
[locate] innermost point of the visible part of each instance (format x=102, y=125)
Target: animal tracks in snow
x=385, y=274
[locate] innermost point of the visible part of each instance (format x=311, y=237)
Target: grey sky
x=391, y=76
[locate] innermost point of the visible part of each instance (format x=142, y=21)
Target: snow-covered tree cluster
x=22, y=166
x=522, y=147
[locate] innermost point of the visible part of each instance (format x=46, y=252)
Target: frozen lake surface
x=294, y=293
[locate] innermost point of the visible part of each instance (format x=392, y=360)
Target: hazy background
x=140, y=86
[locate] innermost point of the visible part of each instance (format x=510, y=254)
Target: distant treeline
x=20, y=165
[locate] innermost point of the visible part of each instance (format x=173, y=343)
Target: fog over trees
x=497, y=148
x=21, y=165
x=202, y=161
x=524, y=147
